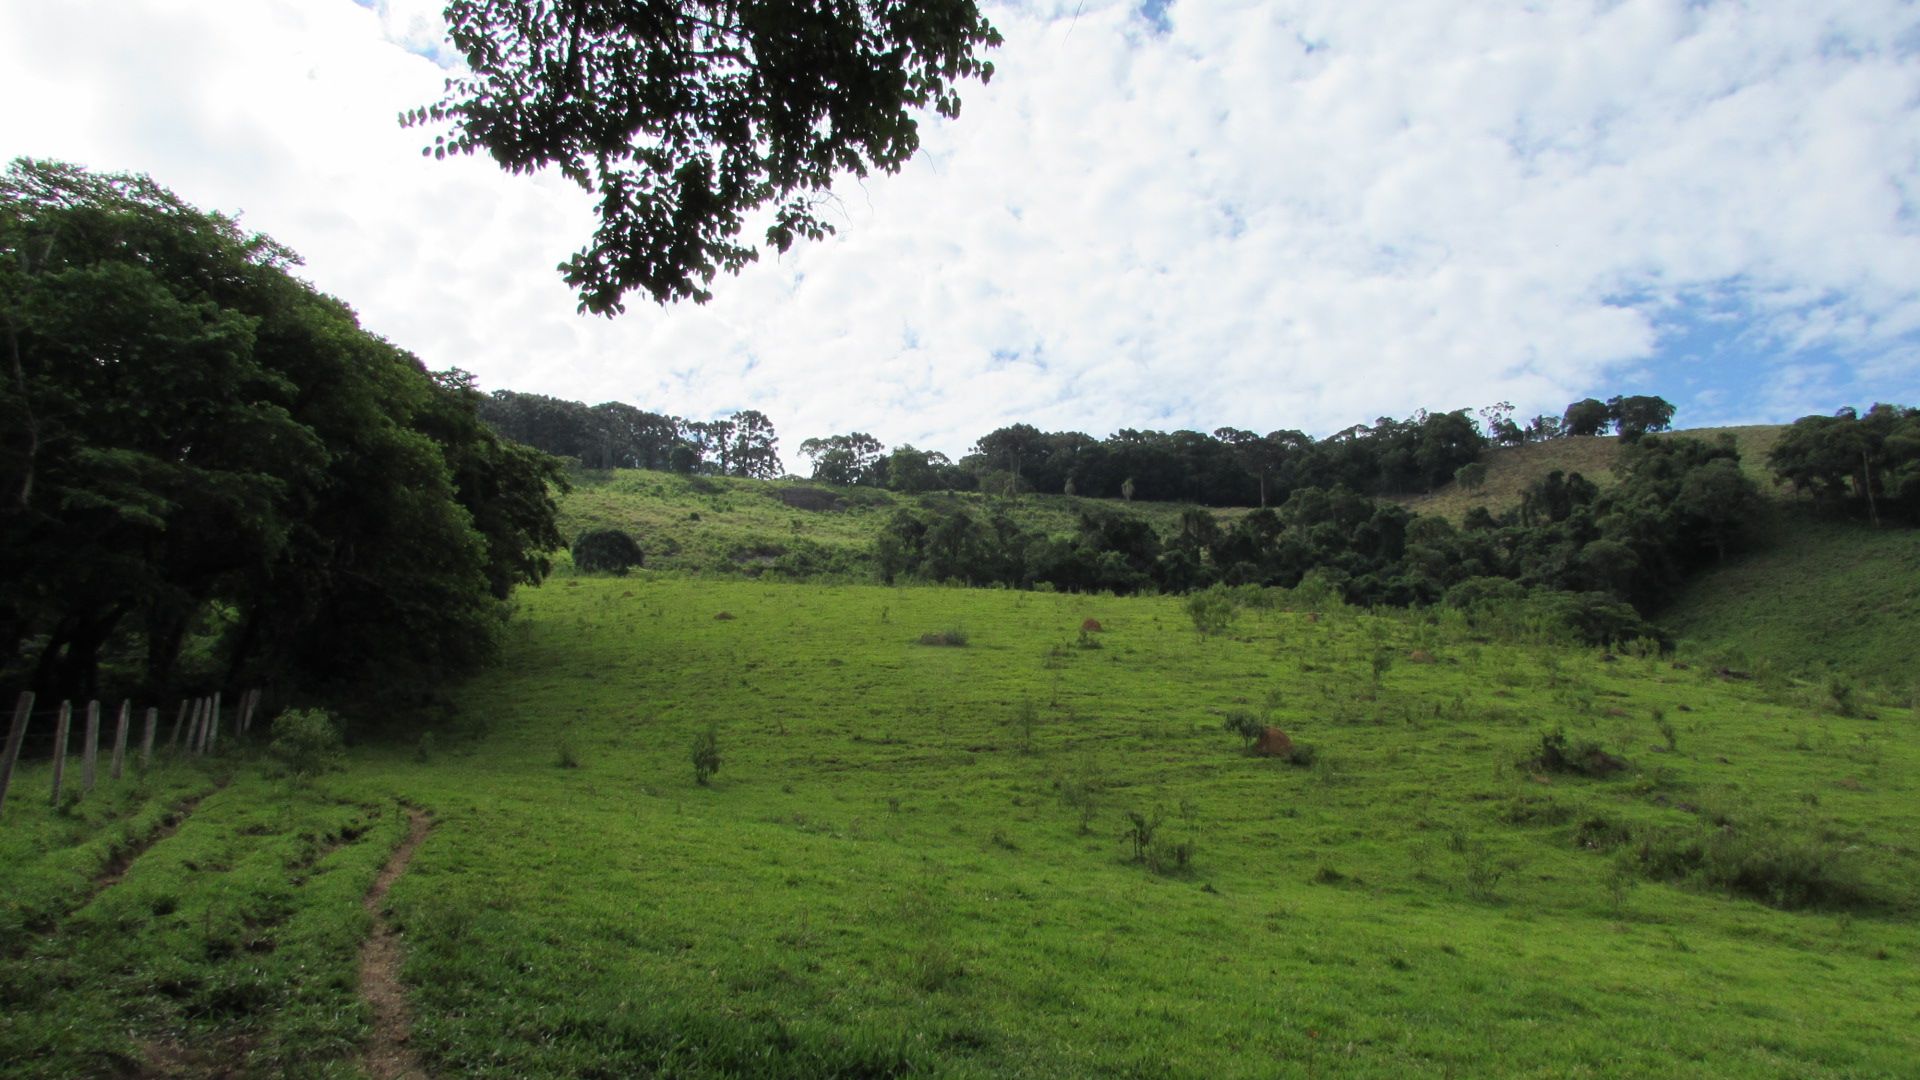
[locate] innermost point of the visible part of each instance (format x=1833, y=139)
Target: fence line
x=198, y=718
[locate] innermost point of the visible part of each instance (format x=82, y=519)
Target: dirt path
x=123, y=860
x=387, y=1056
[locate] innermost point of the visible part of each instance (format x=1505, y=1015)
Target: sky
x=1172, y=214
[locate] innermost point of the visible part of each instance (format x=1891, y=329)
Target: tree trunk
x=1866, y=485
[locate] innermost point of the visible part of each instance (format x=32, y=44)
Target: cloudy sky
x=1276, y=213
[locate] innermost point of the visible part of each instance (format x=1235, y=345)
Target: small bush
x=1025, y=719
x=1584, y=758
x=705, y=754
x=609, y=551
x=1303, y=755
x=1170, y=856
x=1776, y=869
x=306, y=743
x=1599, y=833
x=1140, y=833
x=1244, y=724
x=953, y=636
x=1840, y=694
x=565, y=755
x=1212, y=610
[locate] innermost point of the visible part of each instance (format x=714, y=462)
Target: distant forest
x=1229, y=467
x=1596, y=562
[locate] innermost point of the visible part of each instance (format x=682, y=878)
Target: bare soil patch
x=388, y=1055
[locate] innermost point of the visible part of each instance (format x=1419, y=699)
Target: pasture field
x=1811, y=596
x=916, y=858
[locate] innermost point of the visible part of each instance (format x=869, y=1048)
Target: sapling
x=706, y=755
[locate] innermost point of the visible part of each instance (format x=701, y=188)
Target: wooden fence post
x=146, y=740
x=90, y=748
x=120, y=738
x=16, y=734
x=200, y=727
x=213, y=726
x=179, y=721
x=196, y=722
x=60, y=748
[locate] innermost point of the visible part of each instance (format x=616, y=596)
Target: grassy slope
x=733, y=526
x=1812, y=595
x=882, y=875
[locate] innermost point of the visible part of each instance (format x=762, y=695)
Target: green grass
x=913, y=859
x=1812, y=596
x=232, y=940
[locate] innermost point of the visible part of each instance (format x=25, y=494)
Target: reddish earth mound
x=1092, y=626
x=723, y=616
x=1273, y=743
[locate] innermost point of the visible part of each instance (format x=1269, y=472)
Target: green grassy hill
x=917, y=859
x=786, y=528
x=1811, y=596
x=1808, y=596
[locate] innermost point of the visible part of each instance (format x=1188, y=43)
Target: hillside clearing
x=914, y=859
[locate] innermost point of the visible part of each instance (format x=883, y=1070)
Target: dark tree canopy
x=195, y=446
x=685, y=117
x=606, y=551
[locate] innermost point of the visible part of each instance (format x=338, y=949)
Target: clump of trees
x=1594, y=561
x=197, y=446
x=615, y=435
x=1853, y=464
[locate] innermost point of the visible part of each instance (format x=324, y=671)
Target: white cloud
x=1271, y=215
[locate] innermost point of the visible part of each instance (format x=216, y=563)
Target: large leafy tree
x=195, y=441
x=686, y=116
x=844, y=459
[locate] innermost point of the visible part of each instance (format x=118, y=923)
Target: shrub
x=1244, y=724
x=1584, y=758
x=1170, y=856
x=606, y=551
x=1303, y=755
x=1083, y=793
x=1025, y=719
x=565, y=755
x=1212, y=609
x=306, y=743
x=953, y=636
x=706, y=755
x=1774, y=868
x=1140, y=832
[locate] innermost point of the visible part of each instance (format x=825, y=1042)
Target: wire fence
x=130, y=734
